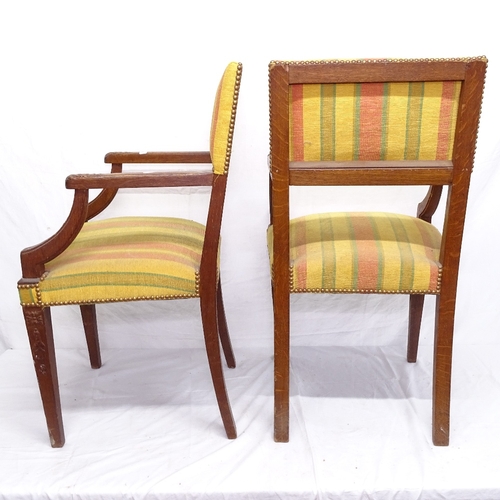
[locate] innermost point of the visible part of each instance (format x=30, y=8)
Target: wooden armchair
x=380, y=122
x=134, y=258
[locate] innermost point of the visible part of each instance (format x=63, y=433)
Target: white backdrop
x=80, y=79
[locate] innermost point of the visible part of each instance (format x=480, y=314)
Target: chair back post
x=453, y=227
x=210, y=252
x=280, y=215
x=463, y=160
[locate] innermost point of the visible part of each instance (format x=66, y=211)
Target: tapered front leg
x=90, y=326
x=414, y=323
x=39, y=326
x=443, y=346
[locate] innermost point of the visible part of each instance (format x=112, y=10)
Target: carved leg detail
x=209, y=319
x=223, y=330
x=90, y=326
x=39, y=326
x=415, y=320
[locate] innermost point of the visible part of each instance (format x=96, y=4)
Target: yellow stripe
x=327, y=123
x=396, y=120
x=312, y=121
x=431, y=108
x=344, y=117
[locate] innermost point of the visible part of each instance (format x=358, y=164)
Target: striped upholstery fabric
x=373, y=121
x=126, y=258
x=363, y=253
x=221, y=133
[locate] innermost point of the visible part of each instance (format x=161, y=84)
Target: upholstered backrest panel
x=221, y=133
x=373, y=121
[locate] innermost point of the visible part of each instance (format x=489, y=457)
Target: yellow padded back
x=221, y=133
x=373, y=121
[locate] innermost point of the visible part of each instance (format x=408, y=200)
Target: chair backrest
x=223, y=117
x=375, y=122
x=221, y=141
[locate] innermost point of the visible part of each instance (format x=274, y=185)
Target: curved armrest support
x=429, y=204
x=139, y=180
x=160, y=157
x=33, y=259
x=105, y=197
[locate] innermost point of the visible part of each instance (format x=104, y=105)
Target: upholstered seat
x=126, y=258
x=365, y=252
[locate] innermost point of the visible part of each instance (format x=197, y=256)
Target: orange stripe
x=297, y=125
x=445, y=121
x=370, y=121
x=182, y=255
x=141, y=224
x=366, y=246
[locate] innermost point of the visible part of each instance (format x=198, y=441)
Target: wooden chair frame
x=33, y=260
x=455, y=174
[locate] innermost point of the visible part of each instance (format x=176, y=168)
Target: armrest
x=34, y=258
x=160, y=157
x=139, y=180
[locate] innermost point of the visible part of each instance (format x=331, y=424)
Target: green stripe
x=327, y=241
x=354, y=247
x=163, y=281
x=380, y=252
x=405, y=249
x=334, y=124
x=385, y=113
x=357, y=113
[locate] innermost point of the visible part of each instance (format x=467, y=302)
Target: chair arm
x=160, y=157
x=427, y=207
x=139, y=180
x=33, y=259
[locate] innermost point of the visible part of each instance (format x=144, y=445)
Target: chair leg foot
x=210, y=330
x=90, y=326
x=443, y=346
x=39, y=327
x=223, y=330
x=414, y=322
x=281, y=303
x=281, y=419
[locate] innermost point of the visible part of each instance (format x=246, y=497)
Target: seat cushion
x=372, y=252
x=121, y=259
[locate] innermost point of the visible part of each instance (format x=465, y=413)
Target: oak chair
x=134, y=258
x=379, y=122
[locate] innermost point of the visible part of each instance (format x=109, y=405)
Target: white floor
x=146, y=426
